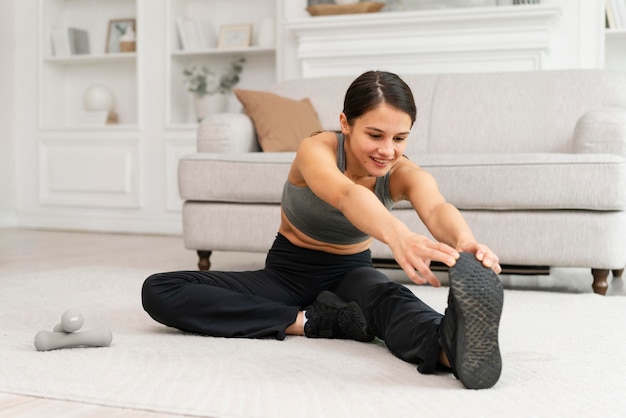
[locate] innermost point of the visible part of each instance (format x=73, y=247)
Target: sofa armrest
x=601, y=131
x=227, y=133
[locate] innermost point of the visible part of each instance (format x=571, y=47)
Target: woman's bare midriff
x=298, y=238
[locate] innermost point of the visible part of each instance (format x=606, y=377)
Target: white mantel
x=504, y=38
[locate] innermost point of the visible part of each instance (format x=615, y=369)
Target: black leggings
x=263, y=303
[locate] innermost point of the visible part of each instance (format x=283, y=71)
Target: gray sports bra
x=321, y=221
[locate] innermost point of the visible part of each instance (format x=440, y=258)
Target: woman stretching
x=319, y=280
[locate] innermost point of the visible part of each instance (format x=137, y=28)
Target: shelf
x=616, y=33
x=64, y=79
x=260, y=68
x=437, y=19
x=252, y=50
x=184, y=127
x=89, y=128
x=93, y=58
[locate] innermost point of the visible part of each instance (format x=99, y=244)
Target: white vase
x=209, y=104
x=265, y=36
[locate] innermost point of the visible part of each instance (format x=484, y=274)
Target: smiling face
x=375, y=140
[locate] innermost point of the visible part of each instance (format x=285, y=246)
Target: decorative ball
x=71, y=320
x=99, y=98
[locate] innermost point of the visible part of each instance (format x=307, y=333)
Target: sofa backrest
x=484, y=113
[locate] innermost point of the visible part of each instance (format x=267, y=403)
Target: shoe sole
x=351, y=319
x=479, y=296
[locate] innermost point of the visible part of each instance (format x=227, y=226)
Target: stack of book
x=69, y=41
x=616, y=14
x=195, y=35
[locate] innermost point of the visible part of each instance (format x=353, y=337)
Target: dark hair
x=375, y=87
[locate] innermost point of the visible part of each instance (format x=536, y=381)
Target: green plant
x=201, y=80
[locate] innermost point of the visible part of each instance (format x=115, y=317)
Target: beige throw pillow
x=280, y=123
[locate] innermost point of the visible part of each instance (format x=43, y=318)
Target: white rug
x=563, y=355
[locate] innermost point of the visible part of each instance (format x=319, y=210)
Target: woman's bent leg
x=220, y=304
x=408, y=326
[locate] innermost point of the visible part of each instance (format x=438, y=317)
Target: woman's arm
x=316, y=167
x=442, y=219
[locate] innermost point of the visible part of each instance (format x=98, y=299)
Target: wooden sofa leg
x=618, y=273
x=204, y=262
x=600, y=283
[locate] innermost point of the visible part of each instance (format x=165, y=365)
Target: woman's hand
x=414, y=252
x=483, y=254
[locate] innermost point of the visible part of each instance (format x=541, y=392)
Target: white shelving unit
x=64, y=79
x=260, y=69
x=85, y=166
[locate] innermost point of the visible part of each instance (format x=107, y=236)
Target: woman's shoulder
x=314, y=152
x=325, y=139
x=328, y=137
x=403, y=165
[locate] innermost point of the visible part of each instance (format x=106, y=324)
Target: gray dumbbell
x=99, y=337
x=64, y=335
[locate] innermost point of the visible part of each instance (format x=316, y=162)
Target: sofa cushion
x=533, y=111
x=280, y=123
x=529, y=181
x=469, y=181
x=256, y=177
x=601, y=131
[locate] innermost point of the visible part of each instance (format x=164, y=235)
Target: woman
x=319, y=280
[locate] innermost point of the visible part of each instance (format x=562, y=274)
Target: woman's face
x=375, y=140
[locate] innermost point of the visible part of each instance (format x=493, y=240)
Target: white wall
x=7, y=114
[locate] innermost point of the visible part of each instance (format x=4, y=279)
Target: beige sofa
x=535, y=161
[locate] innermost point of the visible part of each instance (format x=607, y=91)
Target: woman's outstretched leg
x=468, y=334
x=408, y=326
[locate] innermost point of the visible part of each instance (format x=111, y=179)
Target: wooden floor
x=24, y=251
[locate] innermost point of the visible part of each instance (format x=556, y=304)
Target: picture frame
x=116, y=29
x=235, y=36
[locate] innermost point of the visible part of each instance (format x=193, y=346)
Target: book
x=79, y=41
x=69, y=41
x=60, y=43
x=619, y=8
x=195, y=34
x=206, y=34
x=610, y=15
x=182, y=34
x=192, y=35
x=187, y=34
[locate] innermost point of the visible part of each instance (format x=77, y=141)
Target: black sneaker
x=332, y=317
x=468, y=333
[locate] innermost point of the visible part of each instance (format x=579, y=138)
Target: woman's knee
x=155, y=291
x=360, y=283
x=148, y=294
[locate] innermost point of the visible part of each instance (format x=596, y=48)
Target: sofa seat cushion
x=532, y=181
x=469, y=181
x=256, y=177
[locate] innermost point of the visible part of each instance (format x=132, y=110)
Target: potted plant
x=210, y=88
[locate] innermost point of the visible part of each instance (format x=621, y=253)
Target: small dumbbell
x=64, y=335
x=99, y=337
